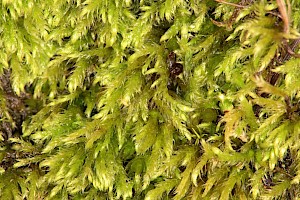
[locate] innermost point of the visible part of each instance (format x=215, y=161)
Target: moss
x=92, y=107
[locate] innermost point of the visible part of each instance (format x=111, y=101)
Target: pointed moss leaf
x=198, y=22
x=94, y=136
x=20, y=76
x=278, y=189
x=66, y=98
x=132, y=86
x=185, y=182
x=56, y=189
x=153, y=163
x=185, y=108
x=156, y=83
x=78, y=76
x=124, y=187
x=51, y=145
x=268, y=88
x=20, y=164
x=91, y=7
x=229, y=185
x=36, y=121
x=185, y=132
x=161, y=188
x=76, y=164
x=216, y=150
x=168, y=9
x=272, y=160
x=151, y=71
x=256, y=183
x=171, y=32
x=266, y=156
x=167, y=131
x=3, y=59
x=212, y=179
x=268, y=57
x=260, y=49
x=197, y=170
x=145, y=138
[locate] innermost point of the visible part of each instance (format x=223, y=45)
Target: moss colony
x=174, y=99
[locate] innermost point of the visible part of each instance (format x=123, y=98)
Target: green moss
x=89, y=109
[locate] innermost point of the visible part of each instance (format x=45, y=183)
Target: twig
x=275, y=14
x=295, y=44
x=289, y=11
x=231, y=4
x=284, y=14
x=290, y=51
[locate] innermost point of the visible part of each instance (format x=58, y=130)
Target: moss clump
x=149, y=99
